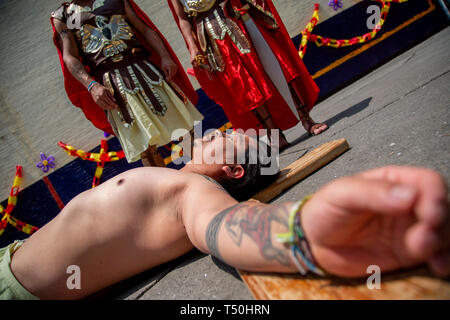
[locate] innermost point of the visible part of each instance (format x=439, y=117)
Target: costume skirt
x=149, y=128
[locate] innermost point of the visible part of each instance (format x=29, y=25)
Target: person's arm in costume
x=101, y=95
x=395, y=217
x=154, y=41
x=187, y=31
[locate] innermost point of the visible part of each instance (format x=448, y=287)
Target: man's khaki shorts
x=10, y=288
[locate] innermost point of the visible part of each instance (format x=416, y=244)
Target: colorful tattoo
x=254, y=221
x=212, y=233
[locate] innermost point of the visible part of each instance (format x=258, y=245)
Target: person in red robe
x=123, y=74
x=245, y=60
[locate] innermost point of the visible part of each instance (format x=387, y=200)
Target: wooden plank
x=303, y=167
x=406, y=285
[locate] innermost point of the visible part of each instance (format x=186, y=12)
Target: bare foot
x=316, y=128
x=309, y=124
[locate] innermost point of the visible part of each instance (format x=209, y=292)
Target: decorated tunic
x=239, y=82
x=115, y=56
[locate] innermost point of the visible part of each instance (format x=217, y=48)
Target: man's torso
x=125, y=226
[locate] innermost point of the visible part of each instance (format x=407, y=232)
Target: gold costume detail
x=106, y=36
x=266, y=15
x=138, y=87
x=217, y=27
x=201, y=35
x=146, y=78
x=179, y=91
x=192, y=7
x=121, y=86
x=200, y=59
x=226, y=30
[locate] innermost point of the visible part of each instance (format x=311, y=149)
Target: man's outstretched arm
x=245, y=237
x=396, y=217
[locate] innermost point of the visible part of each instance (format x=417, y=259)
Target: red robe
x=250, y=85
x=81, y=98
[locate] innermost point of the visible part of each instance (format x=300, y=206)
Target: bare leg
x=152, y=158
x=265, y=119
x=309, y=124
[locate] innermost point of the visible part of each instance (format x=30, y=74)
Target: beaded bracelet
x=300, y=251
x=91, y=85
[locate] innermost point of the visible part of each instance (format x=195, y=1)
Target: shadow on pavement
x=122, y=290
x=225, y=267
x=344, y=114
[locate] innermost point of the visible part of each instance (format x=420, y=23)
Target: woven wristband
x=300, y=251
x=91, y=85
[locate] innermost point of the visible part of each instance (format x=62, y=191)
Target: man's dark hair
x=255, y=177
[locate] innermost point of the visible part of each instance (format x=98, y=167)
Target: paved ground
x=398, y=114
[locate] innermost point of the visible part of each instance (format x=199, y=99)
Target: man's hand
x=103, y=97
x=393, y=217
x=195, y=52
x=169, y=68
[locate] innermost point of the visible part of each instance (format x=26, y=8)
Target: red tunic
x=81, y=98
x=244, y=85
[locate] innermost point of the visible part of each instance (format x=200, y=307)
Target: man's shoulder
x=61, y=12
x=204, y=185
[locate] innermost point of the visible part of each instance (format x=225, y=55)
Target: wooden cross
x=12, y=201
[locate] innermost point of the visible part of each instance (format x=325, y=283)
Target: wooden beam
x=406, y=285
x=302, y=168
x=411, y=284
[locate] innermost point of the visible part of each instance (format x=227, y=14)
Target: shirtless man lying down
x=394, y=217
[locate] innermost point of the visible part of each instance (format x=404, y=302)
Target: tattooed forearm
x=212, y=232
x=254, y=221
x=77, y=69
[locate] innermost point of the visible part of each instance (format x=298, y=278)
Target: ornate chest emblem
x=108, y=37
